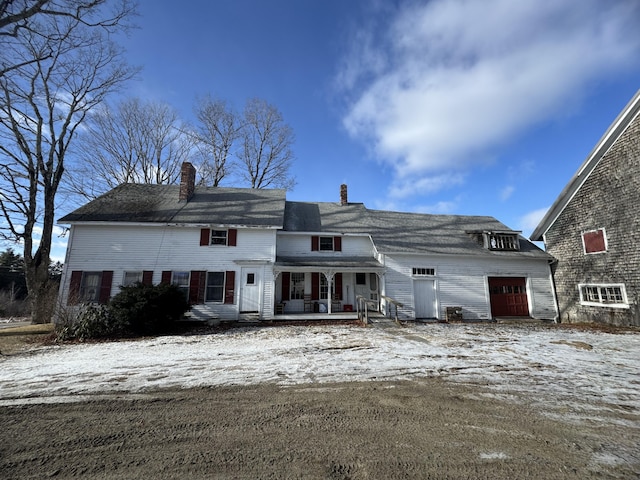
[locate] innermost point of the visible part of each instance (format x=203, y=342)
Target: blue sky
x=442, y=106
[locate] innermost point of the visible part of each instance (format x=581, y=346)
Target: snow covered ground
x=553, y=365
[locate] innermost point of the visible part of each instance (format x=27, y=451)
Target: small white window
x=423, y=272
x=218, y=237
x=604, y=295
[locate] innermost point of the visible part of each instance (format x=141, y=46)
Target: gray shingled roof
x=392, y=232
x=400, y=232
x=142, y=203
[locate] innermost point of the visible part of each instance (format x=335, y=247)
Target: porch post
x=329, y=276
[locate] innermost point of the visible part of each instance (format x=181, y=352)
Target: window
x=361, y=278
x=297, y=286
x=218, y=237
x=131, y=278
x=228, y=237
x=324, y=288
x=326, y=244
x=90, y=287
x=251, y=278
x=422, y=272
x=604, y=295
x=594, y=241
x=503, y=241
x=215, y=287
x=181, y=280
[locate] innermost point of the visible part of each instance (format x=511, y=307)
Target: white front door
x=251, y=286
x=424, y=297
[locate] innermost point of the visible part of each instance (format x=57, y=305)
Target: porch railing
x=362, y=308
x=392, y=302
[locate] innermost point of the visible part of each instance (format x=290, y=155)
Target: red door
x=508, y=297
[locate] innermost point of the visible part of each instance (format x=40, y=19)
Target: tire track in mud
x=419, y=429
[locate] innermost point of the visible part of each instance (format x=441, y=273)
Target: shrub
x=91, y=321
x=148, y=309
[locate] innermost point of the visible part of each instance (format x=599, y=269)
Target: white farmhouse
x=250, y=253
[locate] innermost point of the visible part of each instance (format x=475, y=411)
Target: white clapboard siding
x=296, y=245
x=159, y=248
x=463, y=282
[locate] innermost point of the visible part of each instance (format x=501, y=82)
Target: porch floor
x=314, y=316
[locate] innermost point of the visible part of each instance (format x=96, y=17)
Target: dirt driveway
x=445, y=424
x=422, y=429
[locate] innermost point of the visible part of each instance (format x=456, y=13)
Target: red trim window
x=594, y=241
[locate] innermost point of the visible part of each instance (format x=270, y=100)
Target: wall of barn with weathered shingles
x=609, y=199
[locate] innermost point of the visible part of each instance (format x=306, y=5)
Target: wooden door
x=508, y=297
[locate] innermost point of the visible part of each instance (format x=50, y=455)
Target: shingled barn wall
x=609, y=199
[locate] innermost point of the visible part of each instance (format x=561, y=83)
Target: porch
x=324, y=287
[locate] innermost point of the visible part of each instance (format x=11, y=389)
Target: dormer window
x=502, y=241
x=326, y=243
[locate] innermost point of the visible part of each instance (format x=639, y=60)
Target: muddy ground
x=425, y=429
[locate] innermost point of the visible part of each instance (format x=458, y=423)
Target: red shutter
x=196, y=286
x=337, y=244
x=315, y=243
x=286, y=283
x=229, y=285
x=74, y=287
x=105, y=286
x=315, y=286
x=147, y=277
x=205, y=237
x=232, y=237
x=166, y=277
x=337, y=280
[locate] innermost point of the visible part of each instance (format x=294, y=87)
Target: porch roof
x=315, y=263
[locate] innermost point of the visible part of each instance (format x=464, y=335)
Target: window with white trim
x=604, y=295
x=326, y=244
x=90, y=287
x=215, y=287
x=423, y=272
x=324, y=287
x=296, y=290
x=131, y=278
x=594, y=241
x=218, y=237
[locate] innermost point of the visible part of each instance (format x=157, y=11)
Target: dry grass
x=18, y=339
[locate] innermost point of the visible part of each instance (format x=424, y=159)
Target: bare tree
x=216, y=133
x=43, y=102
x=20, y=18
x=135, y=142
x=266, y=146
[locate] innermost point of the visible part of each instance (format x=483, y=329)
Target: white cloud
x=531, y=220
x=506, y=192
x=406, y=187
x=447, y=81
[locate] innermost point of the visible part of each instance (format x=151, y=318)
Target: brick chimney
x=187, y=181
x=343, y=194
